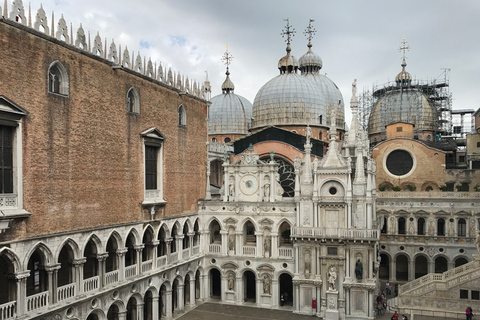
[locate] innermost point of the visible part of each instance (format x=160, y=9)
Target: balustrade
x=91, y=283
x=215, y=248
x=147, y=265
x=66, y=291
x=161, y=261
x=8, y=310
x=285, y=252
x=111, y=277
x=37, y=301
x=131, y=271
x=335, y=233
x=249, y=250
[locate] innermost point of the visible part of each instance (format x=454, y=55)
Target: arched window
x=227, y=140
x=421, y=226
x=57, y=79
x=214, y=140
x=441, y=227
x=133, y=101
x=182, y=116
x=384, y=228
x=462, y=228
x=401, y=225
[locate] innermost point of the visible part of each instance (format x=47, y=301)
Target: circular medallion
x=248, y=184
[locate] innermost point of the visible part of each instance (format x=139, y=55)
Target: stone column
x=259, y=243
x=224, y=248
x=101, y=268
x=168, y=242
x=168, y=304
x=140, y=307
x=393, y=269
x=204, y=287
x=21, y=292
x=78, y=264
x=138, y=250
x=192, y=292
x=121, y=263
x=411, y=269
x=155, y=314
x=275, y=293
x=431, y=266
x=122, y=315
x=274, y=246
x=369, y=263
x=154, y=254
x=180, y=297
x=240, y=291
x=52, y=283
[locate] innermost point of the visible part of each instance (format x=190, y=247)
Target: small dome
x=229, y=113
x=310, y=60
x=403, y=77
x=227, y=85
x=288, y=63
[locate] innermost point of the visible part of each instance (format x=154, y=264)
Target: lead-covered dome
x=229, y=113
x=402, y=103
x=289, y=98
x=310, y=66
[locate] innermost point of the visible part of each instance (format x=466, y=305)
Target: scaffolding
x=436, y=92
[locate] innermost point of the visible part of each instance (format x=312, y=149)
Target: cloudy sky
x=356, y=39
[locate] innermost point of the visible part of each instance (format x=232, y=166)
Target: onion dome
x=403, y=77
x=310, y=61
x=288, y=63
x=229, y=113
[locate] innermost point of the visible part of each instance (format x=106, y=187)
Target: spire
x=288, y=64
x=207, y=87
x=403, y=77
x=227, y=85
x=333, y=158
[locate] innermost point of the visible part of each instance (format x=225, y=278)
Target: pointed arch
x=182, y=116
x=12, y=257
x=73, y=246
x=46, y=253
x=58, y=82
x=117, y=237
x=96, y=240
x=136, y=236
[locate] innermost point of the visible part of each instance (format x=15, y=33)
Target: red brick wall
x=82, y=155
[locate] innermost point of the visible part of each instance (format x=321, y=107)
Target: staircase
x=438, y=294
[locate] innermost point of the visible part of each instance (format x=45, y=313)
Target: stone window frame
x=182, y=116
x=11, y=204
x=153, y=138
x=57, y=79
x=132, y=101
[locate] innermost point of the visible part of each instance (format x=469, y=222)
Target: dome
x=288, y=98
x=403, y=77
x=229, y=112
x=402, y=104
x=310, y=60
x=310, y=65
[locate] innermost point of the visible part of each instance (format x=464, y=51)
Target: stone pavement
x=214, y=310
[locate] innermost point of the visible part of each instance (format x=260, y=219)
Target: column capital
x=19, y=276
x=78, y=262
x=102, y=256
x=52, y=267
x=139, y=247
x=121, y=252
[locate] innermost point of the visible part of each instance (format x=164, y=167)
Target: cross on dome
x=227, y=57
x=310, y=31
x=404, y=47
x=289, y=32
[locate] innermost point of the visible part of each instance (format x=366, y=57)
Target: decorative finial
x=310, y=31
x=227, y=57
x=288, y=32
x=404, y=47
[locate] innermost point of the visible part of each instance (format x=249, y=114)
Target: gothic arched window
x=133, y=101
x=57, y=79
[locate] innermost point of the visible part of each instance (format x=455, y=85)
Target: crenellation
x=18, y=12
x=62, y=30
x=81, y=40
x=41, y=20
x=112, y=53
x=97, y=46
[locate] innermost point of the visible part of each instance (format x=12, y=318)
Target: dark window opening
x=401, y=226
x=151, y=167
x=463, y=294
x=6, y=159
x=441, y=227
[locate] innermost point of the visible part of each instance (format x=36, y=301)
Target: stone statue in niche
x=307, y=262
x=266, y=284
x=267, y=243
x=231, y=282
x=231, y=242
x=359, y=270
x=266, y=191
x=332, y=278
